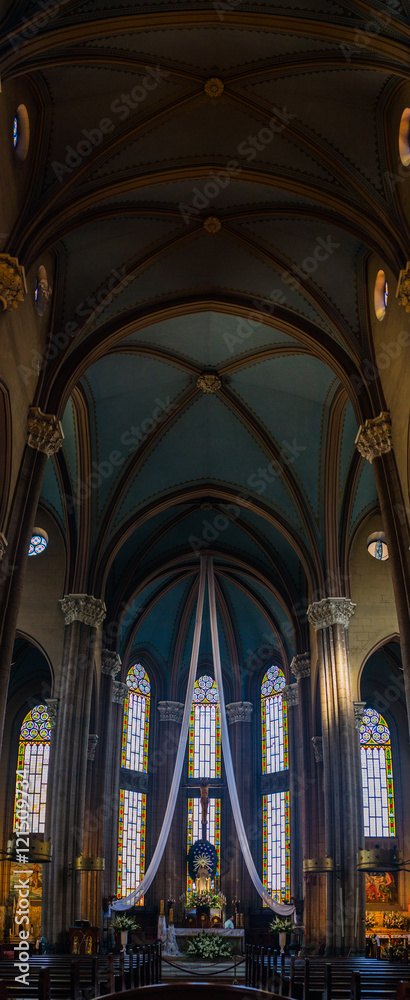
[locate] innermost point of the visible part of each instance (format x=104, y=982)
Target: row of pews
x=321, y=979
x=69, y=977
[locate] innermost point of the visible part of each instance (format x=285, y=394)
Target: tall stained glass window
x=133, y=805
x=377, y=776
x=33, y=757
x=275, y=757
x=204, y=760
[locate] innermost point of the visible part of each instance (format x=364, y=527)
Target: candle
x=171, y=916
x=161, y=908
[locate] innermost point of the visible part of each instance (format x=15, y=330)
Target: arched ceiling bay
x=287, y=156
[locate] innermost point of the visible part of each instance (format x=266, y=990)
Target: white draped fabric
x=283, y=909
x=134, y=897
x=206, y=565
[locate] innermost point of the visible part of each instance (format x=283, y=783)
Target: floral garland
x=204, y=899
x=209, y=946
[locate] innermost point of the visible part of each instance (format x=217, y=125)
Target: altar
x=235, y=936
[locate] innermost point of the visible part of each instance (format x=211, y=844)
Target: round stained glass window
x=373, y=728
x=376, y=546
x=15, y=132
x=39, y=542
x=205, y=689
x=273, y=682
x=137, y=680
x=381, y=294
x=36, y=726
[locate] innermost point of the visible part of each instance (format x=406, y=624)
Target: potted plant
x=121, y=925
x=281, y=926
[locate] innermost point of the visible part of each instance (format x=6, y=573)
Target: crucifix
x=204, y=790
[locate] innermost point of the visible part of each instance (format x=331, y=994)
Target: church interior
x=205, y=472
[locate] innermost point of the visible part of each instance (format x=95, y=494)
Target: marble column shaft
x=341, y=766
x=66, y=803
x=236, y=882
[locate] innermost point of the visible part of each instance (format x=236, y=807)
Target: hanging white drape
x=134, y=897
x=206, y=565
x=282, y=909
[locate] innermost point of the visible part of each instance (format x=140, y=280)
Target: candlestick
x=171, y=916
x=161, y=908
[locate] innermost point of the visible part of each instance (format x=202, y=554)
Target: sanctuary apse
x=205, y=359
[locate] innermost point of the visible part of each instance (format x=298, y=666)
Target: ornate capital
x=208, y=383
x=403, y=288
x=12, y=282
x=44, y=431
x=119, y=692
x=170, y=711
x=52, y=709
x=83, y=608
x=374, y=437
x=290, y=694
x=110, y=662
x=300, y=665
x=213, y=87
x=318, y=748
x=239, y=711
x=3, y=545
x=212, y=225
x=330, y=611
x=358, y=708
x=92, y=746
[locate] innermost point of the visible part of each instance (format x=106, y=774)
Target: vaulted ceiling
x=270, y=121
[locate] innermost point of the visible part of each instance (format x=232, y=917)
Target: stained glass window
x=195, y=828
x=133, y=805
x=33, y=757
x=276, y=839
x=274, y=722
x=131, y=847
x=204, y=760
x=377, y=776
x=15, y=131
x=205, y=731
x=38, y=543
x=136, y=720
x=275, y=757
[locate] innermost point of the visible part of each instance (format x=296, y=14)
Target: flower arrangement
x=394, y=920
x=370, y=921
x=204, y=899
x=281, y=924
x=209, y=946
x=124, y=924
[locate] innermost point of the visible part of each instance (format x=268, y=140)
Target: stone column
x=341, y=771
x=171, y=875
x=110, y=724
x=374, y=442
x=44, y=438
x=236, y=882
x=308, y=787
x=65, y=805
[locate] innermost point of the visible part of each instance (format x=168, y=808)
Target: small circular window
x=39, y=542
x=381, y=295
x=404, y=138
x=21, y=132
x=376, y=546
x=42, y=291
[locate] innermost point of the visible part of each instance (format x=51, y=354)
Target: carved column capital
x=239, y=711
x=92, y=746
x=44, y=431
x=300, y=665
x=359, y=710
x=290, y=694
x=83, y=608
x=318, y=748
x=3, y=545
x=330, y=611
x=52, y=709
x=110, y=662
x=170, y=711
x=403, y=288
x=119, y=692
x=12, y=282
x=374, y=437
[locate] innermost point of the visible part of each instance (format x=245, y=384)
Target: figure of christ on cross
x=204, y=789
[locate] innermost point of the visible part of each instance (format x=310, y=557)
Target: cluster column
x=341, y=772
x=236, y=881
x=168, y=882
x=83, y=615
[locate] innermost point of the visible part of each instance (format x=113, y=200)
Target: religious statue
x=203, y=880
x=204, y=786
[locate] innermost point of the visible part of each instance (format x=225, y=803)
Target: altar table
x=237, y=935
